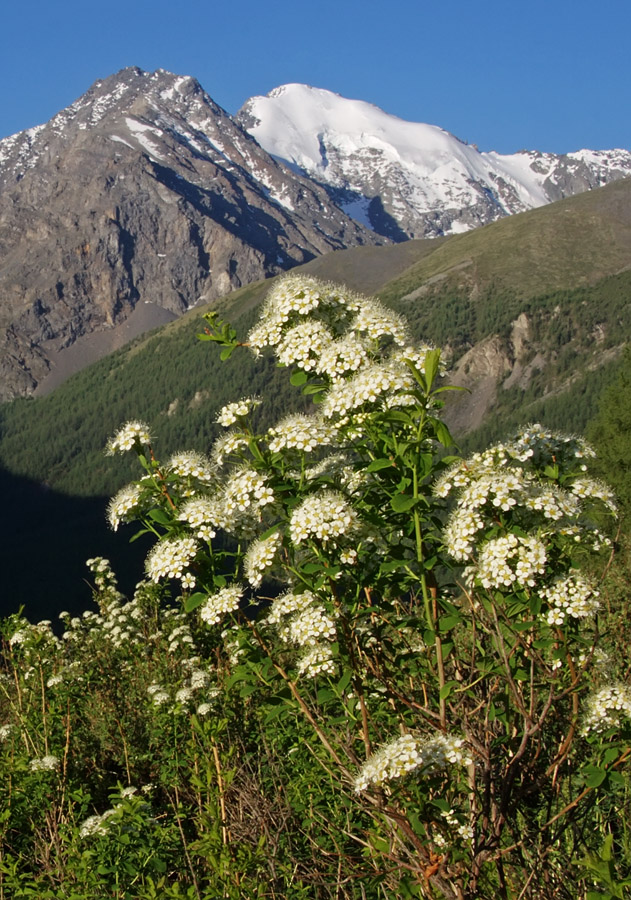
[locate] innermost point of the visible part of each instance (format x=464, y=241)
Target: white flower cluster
x=313, y=326
x=573, y=596
x=6, y=730
x=129, y=436
x=259, y=558
x=95, y=825
x=589, y=488
x=409, y=753
x=318, y=660
x=126, y=500
x=324, y=517
x=231, y=412
x=191, y=464
x=309, y=627
x=289, y=603
x=607, y=707
x=246, y=490
x=226, y=445
x=300, y=432
x=509, y=559
x=304, y=621
x=376, y=383
x=303, y=345
x=376, y=321
x=45, y=764
x=224, y=601
x=170, y=557
x=202, y=514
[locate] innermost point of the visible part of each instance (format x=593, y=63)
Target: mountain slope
x=143, y=191
x=536, y=348
x=408, y=179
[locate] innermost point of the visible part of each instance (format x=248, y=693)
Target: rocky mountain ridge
x=142, y=191
x=408, y=179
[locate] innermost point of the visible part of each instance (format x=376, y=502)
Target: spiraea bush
x=359, y=666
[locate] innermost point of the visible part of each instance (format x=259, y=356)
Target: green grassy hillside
x=546, y=291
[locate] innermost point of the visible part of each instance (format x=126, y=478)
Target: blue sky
x=506, y=75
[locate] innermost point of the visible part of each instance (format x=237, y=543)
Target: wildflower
x=126, y=500
x=342, y=356
x=259, y=558
x=303, y=344
x=45, y=764
x=300, y=432
x=224, y=601
x=408, y=753
x=324, y=516
x=168, y=558
x=572, y=596
x=246, y=488
x=509, y=559
x=229, y=414
x=376, y=320
x=6, y=730
x=133, y=434
x=190, y=464
x=226, y=445
x=318, y=660
x=288, y=603
x=606, y=707
x=311, y=626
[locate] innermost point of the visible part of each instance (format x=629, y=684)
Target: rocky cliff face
x=143, y=191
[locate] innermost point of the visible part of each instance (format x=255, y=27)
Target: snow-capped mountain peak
x=410, y=179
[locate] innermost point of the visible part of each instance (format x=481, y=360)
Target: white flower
x=289, y=603
x=130, y=435
x=168, y=558
x=318, y=660
x=45, y=764
x=259, y=558
x=229, y=414
x=300, y=432
x=573, y=596
x=324, y=517
x=224, y=601
x=606, y=707
x=407, y=753
x=311, y=626
x=376, y=321
x=126, y=500
x=190, y=464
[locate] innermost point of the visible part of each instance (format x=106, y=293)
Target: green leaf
x=446, y=689
x=594, y=776
x=194, y=601
x=161, y=516
x=299, y=378
x=402, y=502
x=227, y=352
x=378, y=464
x=309, y=389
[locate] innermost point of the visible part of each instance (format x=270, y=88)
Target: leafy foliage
x=382, y=674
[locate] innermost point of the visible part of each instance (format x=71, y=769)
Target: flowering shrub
x=410, y=637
